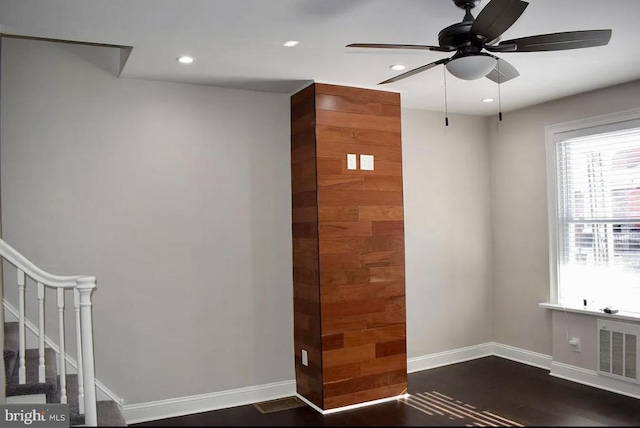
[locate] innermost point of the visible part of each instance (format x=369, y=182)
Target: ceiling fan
x=471, y=37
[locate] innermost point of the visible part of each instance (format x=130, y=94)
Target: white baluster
x=41, y=367
x=62, y=366
x=76, y=305
x=22, y=370
x=85, y=288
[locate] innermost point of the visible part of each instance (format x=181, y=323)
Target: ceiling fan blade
x=395, y=46
x=496, y=18
x=494, y=41
x=502, y=72
x=415, y=71
x=555, y=41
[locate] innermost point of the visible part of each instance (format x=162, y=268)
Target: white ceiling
x=238, y=44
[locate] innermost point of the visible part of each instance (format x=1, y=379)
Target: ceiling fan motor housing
x=463, y=4
x=458, y=36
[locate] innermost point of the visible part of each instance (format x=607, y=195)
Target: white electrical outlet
x=366, y=162
x=351, y=161
x=305, y=358
x=575, y=344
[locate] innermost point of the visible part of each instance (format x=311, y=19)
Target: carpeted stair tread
x=11, y=346
x=109, y=413
x=32, y=386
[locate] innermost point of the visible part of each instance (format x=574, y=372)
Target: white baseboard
x=445, y=358
x=135, y=413
x=11, y=314
x=170, y=408
x=591, y=378
x=459, y=355
x=521, y=355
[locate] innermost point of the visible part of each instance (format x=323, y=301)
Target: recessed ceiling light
x=487, y=100
x=397, y=67
x=290, y=43
x=185, y=59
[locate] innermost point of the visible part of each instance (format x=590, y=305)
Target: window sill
x=629, y=316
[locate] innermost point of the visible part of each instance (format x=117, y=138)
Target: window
x=594, y=187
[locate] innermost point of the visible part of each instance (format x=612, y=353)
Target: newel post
x=85, y=287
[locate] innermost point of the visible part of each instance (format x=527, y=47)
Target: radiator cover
x=618, y=350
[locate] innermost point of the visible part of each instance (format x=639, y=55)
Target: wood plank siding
x=348, y=246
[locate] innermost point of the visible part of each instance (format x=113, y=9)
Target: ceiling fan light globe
x=471, y=67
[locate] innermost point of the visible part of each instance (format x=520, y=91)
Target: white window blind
x=598, y=188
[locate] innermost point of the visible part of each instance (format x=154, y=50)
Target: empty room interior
x=357, y=205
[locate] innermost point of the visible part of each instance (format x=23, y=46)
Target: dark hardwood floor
x=489, y=391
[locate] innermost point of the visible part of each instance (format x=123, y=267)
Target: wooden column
x=348, y=246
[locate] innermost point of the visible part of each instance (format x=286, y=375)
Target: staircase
x=40, y=375
x=108, y=411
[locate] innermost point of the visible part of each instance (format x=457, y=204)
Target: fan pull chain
x=499, y=97
x=446, y=107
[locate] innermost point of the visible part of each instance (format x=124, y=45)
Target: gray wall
x=520, y=216
x=447, y=231
x=177, y=197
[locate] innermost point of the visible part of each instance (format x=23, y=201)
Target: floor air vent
x=279, y=404
x=618, y=350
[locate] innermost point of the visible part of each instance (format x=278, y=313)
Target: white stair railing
x=82, y=287
x=76, y=306
x=62, y=363
x=41, y=361
x=22, y=373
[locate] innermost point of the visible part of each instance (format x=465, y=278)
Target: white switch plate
x=351, y=161
x=366, y=162
x=305, y=358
